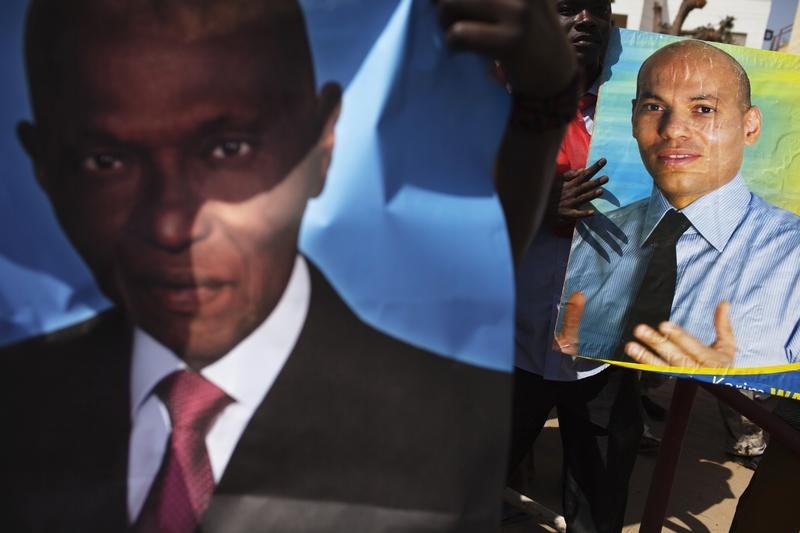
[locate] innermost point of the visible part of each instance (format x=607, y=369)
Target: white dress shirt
x=246, y=374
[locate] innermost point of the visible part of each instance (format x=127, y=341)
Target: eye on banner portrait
x=285, y=197
x=699, y=222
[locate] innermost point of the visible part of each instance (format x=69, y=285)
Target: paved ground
x=706, y=486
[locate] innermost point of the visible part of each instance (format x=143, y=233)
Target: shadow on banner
x=707, y=137
x=295, y=220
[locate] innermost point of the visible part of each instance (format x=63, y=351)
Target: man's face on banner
x=180, y=169
x=691, y=122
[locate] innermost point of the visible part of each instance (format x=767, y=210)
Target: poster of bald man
x=255, y=274
x=691, y=264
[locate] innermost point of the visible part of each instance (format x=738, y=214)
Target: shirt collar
x=714, y=216
x=246, y=372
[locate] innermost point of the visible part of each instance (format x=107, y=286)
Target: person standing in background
x=598, y=407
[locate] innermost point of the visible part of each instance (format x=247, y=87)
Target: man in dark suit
x=337, y=444
x=231, y=389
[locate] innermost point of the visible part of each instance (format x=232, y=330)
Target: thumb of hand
x=725, y=341
x=567, y=339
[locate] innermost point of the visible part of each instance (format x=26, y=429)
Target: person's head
x=587, y=24
x=692, y=118
x=179, y=142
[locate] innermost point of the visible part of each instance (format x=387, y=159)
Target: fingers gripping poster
x=282, y=205
x=691, y=264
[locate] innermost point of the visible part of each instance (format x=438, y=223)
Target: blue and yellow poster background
x=771, y=168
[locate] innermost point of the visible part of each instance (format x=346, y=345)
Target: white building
x=751, y=17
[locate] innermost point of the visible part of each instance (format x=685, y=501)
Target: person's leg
x=533, y=399
x=649, y=381
x=601, y=424
x=744, y=440
x=767, y=503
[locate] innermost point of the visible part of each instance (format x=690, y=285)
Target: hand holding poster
x=698, y=225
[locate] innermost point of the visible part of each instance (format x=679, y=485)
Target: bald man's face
x=180, y=171
x=690, y=123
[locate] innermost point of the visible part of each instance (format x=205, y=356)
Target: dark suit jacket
x=359, y=433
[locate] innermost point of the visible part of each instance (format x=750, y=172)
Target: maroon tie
x=182, y=490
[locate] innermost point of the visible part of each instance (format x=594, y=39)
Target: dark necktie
x=653, y=301
x=182, y=490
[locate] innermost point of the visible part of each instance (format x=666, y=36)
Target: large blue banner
x=254, y=275
x=408, y=227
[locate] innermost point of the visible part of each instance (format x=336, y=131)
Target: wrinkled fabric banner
x=742, y=244
x=408, y=228
x=291, y=205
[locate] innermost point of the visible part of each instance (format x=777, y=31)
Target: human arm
x=671, y=345
x=540, y=66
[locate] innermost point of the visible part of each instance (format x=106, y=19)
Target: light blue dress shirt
x=739, y=248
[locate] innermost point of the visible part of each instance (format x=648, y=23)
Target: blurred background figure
x=598, y=407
